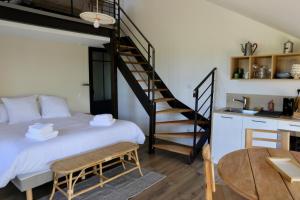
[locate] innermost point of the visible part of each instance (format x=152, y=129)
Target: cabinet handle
x=257, y=121
x=294, y=125
x=226, y=117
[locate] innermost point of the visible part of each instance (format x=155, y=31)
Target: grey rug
x=122, y=188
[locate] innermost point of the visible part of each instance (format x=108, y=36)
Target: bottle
x=271, y=106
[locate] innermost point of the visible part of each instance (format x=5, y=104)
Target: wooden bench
x=64, y=170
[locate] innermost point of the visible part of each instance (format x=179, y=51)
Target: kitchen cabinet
x=226, y=134
x=259, y=123
x=228, y=131
x=289, y=125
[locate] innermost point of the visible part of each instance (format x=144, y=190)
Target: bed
x=27, y=162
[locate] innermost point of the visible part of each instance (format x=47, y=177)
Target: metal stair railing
x=207, y=95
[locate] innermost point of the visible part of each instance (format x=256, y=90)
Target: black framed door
x=102, y=82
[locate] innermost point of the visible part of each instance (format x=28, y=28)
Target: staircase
x=135, y=58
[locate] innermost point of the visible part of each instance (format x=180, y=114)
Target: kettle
x=248, y=49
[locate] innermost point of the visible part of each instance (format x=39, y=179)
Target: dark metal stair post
x=210, y=77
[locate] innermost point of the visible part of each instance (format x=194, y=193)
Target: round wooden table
x=248, y=173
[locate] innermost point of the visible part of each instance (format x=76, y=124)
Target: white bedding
x=20, y=155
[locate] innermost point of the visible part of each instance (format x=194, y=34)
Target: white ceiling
x=23, y=30
x=283, y=15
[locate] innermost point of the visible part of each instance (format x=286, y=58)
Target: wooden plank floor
x=183, y=182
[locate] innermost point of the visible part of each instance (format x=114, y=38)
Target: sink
x=249, y=112
x=242, y=111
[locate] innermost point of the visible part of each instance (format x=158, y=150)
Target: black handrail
x=204, y=80
x=210, y=77
x=122, y=17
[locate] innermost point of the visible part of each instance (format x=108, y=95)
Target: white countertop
x=285, y=118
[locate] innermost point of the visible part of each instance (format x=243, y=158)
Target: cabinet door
x=289, y=125
x=260, y=123
x=226, y=135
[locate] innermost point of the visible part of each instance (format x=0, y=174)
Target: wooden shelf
x=275, y=63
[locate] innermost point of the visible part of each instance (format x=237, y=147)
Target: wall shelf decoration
x=275, y=67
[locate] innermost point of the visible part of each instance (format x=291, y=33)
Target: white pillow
x=21, y=109
x=3, y=114
x=53, y=107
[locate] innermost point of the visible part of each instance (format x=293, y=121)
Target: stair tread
x=177, y=135
x=185, y=150
x=200, y=122
x=135, y=62
x=147, y=81
x=173, y=110
x=157, y=90
x=140, y=71
x=130, y=54
x=127, y=46
x=164, y=100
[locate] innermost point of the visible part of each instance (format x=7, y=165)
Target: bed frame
x=30, y=182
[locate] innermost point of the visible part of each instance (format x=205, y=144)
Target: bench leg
x=29, y=195
x=101, y=174
x=55, y=181
x=123, y=164
x=70, y=188
x=95, y=170
x=83, y=177
x=138, y=162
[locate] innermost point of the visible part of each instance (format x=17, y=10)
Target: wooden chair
x=215, y=191
x=282, y=140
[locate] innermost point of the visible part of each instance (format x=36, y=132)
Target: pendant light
x=97, y=18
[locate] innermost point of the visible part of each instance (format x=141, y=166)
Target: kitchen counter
x=228, y=130
x=285, y=118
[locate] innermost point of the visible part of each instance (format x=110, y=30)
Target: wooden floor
x=182, y=182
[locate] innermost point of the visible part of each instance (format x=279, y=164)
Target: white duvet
x=20, y=155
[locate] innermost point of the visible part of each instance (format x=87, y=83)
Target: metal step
x=184, y=150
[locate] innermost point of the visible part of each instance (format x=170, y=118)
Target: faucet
x=244, y=101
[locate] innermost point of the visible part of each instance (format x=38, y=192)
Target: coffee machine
x=288, y=106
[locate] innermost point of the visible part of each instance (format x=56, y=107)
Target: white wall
x=191, y=37
x=36, y=66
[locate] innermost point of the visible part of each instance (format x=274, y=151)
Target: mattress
x=20, y=155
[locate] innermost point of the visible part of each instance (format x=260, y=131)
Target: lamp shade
x=101, y=18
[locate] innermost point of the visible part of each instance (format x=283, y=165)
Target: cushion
x=53, y=107
x=21, y=109
x=3, y=114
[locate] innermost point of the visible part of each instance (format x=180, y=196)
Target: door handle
x=257, y=121
x=226, y=117
x=294, y=125
x=85, y=84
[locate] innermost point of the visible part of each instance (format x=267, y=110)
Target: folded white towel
x=42, y=137
x=103, y=117
x=102, y=123
x=39, y=128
